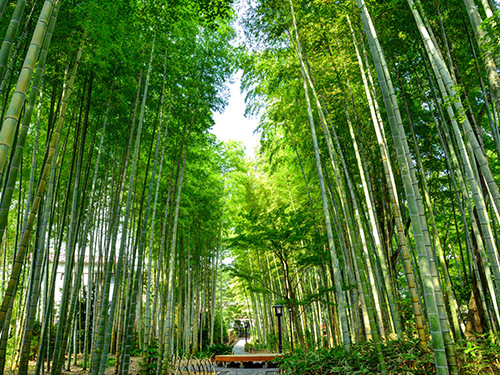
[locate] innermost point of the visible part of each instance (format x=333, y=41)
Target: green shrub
x=255, y=347
x=402, y=357
x=479, y=355
x=217, y=349
x=150, y=359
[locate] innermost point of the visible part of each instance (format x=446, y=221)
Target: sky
x=232, y=123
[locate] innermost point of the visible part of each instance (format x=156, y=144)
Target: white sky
x=232, y=123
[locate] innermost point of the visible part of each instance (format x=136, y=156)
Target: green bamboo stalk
x=87, y=225
x=480, y=237
x=438, y=247
x=483, y=39
x=18, y=265
x=32, y=300
x=13, y=60
x=337, y=277
x=489, y=109
x=126, y=343
x=104, y=327
x=404, y=252
x=416, y=207
x=344, y=199
x=168, y=350
x=68, y=321
x=35, y=88
x=368, y=199
x=129, y=267
x=138, y=273
x=347, y=240
x=474, y=144
x=70, y=247
x=408, y=181
x=17, y=102
x=89, y=294
x=147, y=326
x=125, y=228
x=50, y=286
x=8, y=39
x=3, y=4
x=443, y=80
x=164, y=354
x=213, y=279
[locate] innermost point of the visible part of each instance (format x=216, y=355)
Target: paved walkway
x=239, y=347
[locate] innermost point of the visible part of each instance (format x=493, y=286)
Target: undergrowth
x=402, y=357
x=217, y=349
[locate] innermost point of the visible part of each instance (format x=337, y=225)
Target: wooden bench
x=241, y=358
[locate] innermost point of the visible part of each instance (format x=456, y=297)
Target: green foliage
x=270, y=210
x=479, y=355
x=217, y=331
x=217, y=349
x=110, y=362
x=491, y=27
x=150, y=358
x=135, y=349
x=402, y=357
x=255, y=346
x=35, y=339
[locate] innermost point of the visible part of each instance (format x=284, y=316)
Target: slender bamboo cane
x=147, y=319
x=483, y=39
x=70, y=246
x=111, y=244
x=444, y=84
x=168, y=350
x=50, y=285
x=105, y=350
x=17, y=102
x=337, y=277
x=32, y=299
x=3, y=4
x=419, y=236
x=16, y=271
x=8, y=39
x=13, y=170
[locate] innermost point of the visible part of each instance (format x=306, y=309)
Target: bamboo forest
x=361, y=237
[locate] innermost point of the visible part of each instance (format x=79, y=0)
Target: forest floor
x=135, y=367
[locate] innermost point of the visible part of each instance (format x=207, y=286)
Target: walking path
x=239, y=348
